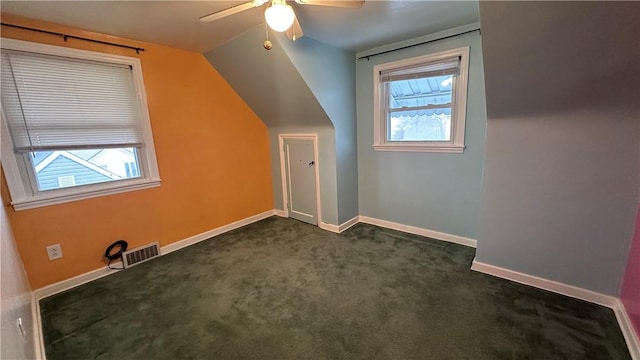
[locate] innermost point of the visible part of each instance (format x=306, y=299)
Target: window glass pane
x=420, y=92
x=420, y=109
x=67, y=168
x=419, y=125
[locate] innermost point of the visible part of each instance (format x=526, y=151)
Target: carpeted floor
x=281, y=289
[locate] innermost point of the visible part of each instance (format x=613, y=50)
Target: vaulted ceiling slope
x=303, y=85
x=267, y=81
x=175, y=23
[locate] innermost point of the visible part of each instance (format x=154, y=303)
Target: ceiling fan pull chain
x=267, y=44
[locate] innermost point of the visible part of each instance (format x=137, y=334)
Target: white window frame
x=19, y=178
x=459, y=106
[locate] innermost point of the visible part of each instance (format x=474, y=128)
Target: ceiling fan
x=280, y=16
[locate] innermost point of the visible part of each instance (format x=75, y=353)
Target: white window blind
x=53, y=102
x=449, y=66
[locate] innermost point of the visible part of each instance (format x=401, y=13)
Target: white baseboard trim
x=630, y=335
x=419, y=231
x=329, y=227
x=38, y=338
x=545, y=284
x=614, y=303
x=339, y=228
x=98, y=273
x=70, y=283
x=281, y=213
x=217, y=231
x=349, y=223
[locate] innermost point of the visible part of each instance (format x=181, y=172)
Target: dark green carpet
x=281, y=289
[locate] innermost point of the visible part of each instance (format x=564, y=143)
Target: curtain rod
x=418, y=44
x=65, y=37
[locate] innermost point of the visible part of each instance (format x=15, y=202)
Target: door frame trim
x=283, y=175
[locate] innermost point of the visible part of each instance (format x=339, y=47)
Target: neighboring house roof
x=87, y=154
x=126, y=151
x=421, y=92
x=55, y=154
x=39, y=156
x=83, y=154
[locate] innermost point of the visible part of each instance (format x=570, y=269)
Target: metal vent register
x=140, y=254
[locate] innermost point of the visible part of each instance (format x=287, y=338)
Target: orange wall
x=213, y=156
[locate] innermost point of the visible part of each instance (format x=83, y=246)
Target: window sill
x=65, y=196
x=412, y=147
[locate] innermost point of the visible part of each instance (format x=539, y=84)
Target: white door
x=300, y=171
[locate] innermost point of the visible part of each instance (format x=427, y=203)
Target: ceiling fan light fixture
x=279, y=16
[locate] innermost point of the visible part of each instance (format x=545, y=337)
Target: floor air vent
x=140, y=254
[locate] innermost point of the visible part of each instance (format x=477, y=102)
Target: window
x=131, y=169
x=74, y=124
x=67, y=180
x=420, y=103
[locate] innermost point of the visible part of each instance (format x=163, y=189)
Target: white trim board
x=70, y=283
x=283, y=172
x=215, y=232
x=437, y=235
x=329, y=227
x=349, y=223
x=630, y=336
x=545, y=284
x=419, y=231
x=38, y=339
x=67, y=284
x=340, y=228
x=611, y=302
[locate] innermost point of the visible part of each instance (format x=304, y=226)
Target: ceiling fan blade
x=354, y=4
x=232, y=10
x=295, y=31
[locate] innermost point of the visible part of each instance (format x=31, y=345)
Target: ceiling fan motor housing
x=280, y=16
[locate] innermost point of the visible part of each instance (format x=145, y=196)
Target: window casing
x=420, y=103
x=96, y=120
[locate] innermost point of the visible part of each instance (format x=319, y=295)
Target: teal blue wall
x=330, y=74
x=433, y=191
x=562, y=166
x=272, y=86
x=310, y=87
x=301, y=87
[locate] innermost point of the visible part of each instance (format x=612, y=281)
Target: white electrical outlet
x=54, y=252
